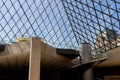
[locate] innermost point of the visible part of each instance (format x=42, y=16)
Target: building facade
x=106, y=40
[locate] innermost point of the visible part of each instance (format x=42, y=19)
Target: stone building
x=106, y=40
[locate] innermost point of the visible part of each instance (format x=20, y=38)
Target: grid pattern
x=62, y=23
x=35, y=18
x=95, y=21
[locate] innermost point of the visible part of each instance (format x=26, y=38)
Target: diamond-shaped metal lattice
x=36, y=18
x=62, y=23
x=95, y=21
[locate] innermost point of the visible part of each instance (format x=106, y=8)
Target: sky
x=30, y=18
x=93, y=15
x=47, y=19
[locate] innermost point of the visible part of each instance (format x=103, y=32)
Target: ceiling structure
x=62, y=23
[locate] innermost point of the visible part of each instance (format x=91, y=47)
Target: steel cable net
x=96, y=22
x=62, y=23
x=36, y=18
